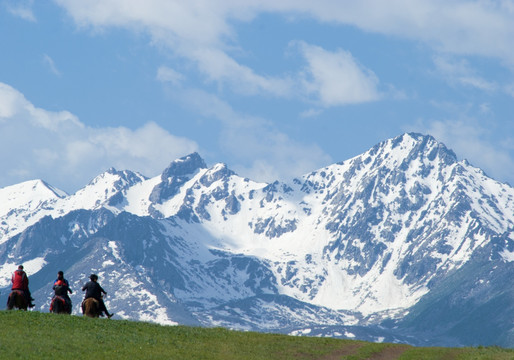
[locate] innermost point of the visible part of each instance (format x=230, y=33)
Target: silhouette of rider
x=20, y=281
x=95, y=291
x=61, y=288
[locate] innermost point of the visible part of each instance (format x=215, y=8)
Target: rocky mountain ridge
x=360, y=247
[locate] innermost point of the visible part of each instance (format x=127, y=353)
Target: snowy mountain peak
x=124, y=178
x=23, y=204
x=27, y=195
x=184, y=166
x=217, y=172
x=425, y=145
x=176, y=175
x=107, y=188
x=410, y=147
x=354, y=242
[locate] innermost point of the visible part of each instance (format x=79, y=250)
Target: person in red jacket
x=61, y=288
x=20, y=281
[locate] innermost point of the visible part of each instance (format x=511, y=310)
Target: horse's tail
x=11, y=300
x=90, y=307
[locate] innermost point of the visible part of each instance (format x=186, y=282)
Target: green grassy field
x=34, y=335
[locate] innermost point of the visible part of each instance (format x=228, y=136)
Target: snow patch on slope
x=507, y=255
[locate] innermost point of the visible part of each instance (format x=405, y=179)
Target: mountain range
x=403, y=243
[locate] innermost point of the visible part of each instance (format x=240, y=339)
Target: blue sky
x=275, y=89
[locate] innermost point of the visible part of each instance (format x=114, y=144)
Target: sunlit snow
x=345, y=237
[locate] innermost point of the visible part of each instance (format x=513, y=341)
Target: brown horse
x=59, y=305
x=91, y=308
x=17, y=300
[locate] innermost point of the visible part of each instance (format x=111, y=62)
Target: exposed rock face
x=347, y=250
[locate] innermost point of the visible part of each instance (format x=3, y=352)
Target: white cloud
x=275, y=156
x=337, y=78
x=462, y=27
x=469, y=139
x=56, y=146
x=218, y=66
x=197, y=30
x=21, y=9
x=168, y=75
x=458, y=27
x=311, y=113
x=200, y=31
x=264, y=153
x=460, y=72
x=203, y=32
x=51, y=64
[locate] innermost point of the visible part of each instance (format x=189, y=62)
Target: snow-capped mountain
x=402, y=243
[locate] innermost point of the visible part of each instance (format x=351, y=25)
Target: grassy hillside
x=34, y=335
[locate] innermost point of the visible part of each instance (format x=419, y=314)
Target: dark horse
x=17, y=300
x=91, y=308
x=59, y=305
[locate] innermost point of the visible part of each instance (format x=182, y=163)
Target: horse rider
x=95, y=291
x=20, y=281
x=61, y=288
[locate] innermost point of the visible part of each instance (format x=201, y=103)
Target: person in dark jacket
x=20, y=281
x=61, y=288
x=94, y=290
